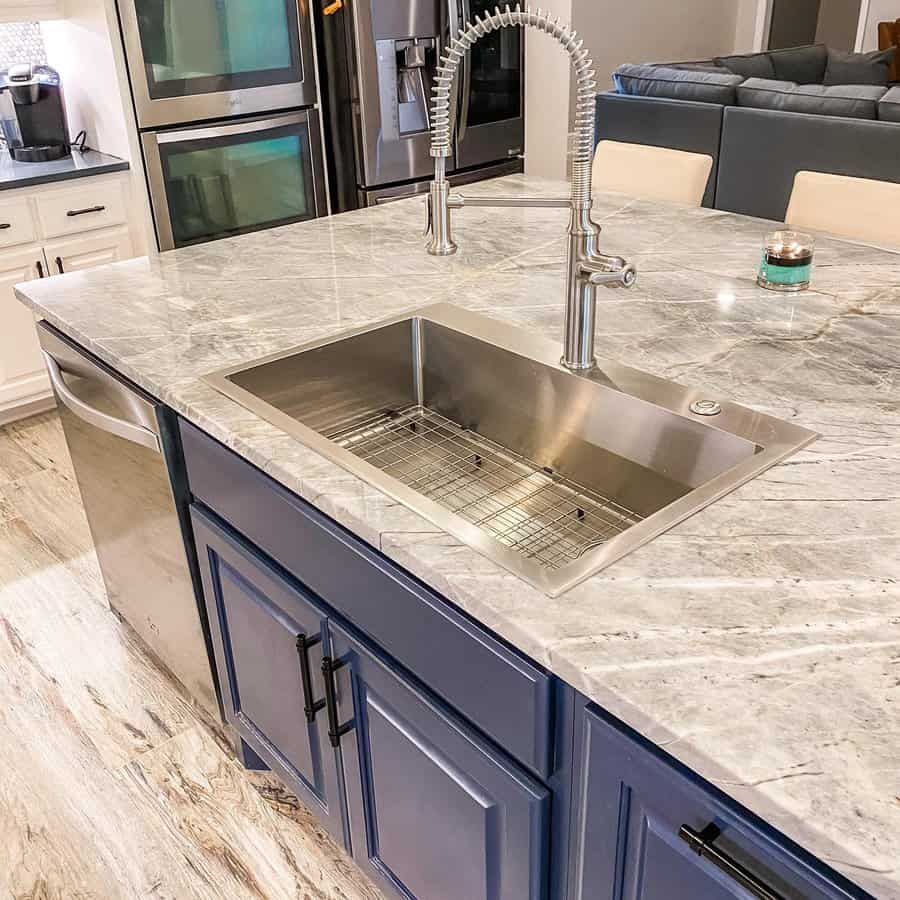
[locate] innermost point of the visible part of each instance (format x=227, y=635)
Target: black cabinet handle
x=5, y=225
x=40, y=268
x=83, y=212
x=310, y=706
x=335, y=731
x=59, y=265
x=701, y=842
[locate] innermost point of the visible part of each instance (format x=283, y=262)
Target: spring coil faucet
x=586, y=266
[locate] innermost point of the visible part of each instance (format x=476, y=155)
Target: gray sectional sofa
x=763, y=117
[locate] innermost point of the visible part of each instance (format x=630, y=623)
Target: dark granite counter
x=79, y=165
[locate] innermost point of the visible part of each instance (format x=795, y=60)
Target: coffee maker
x=33, y=114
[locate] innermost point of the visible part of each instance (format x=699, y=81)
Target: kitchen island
x=758, y=642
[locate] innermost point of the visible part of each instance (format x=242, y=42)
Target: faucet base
x=578, y=367
x=447, y=248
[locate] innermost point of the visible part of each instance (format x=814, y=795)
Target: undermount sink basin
x=476, y=426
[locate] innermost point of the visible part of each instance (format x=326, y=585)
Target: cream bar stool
x=859, y=208
x=651, y=173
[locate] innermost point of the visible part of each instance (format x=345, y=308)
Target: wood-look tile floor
x=112, y=785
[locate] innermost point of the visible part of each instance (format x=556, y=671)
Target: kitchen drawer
x=94, y=205
x=501, y=692
x=16, y=223
x=652, y=829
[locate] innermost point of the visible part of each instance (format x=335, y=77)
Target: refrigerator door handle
x=122, y=428
x=464, y=99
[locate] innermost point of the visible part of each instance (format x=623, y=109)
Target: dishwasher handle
x=129, y=431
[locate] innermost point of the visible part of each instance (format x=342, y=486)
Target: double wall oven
x=226, y=102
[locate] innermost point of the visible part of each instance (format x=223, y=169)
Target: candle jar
x=786, y=261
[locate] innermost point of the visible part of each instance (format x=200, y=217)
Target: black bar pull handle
x=310, y=706
x=335, y=731
x=83, y=212
x=5, y=225
x=40, y=269
x=701, y=842
x=59, y=265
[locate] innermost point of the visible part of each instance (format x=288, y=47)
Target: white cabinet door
x=23, y=379
x=74, y=254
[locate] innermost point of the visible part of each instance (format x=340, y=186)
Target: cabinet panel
x=98, y=204
x=434, y=812
x=87, y=252
x=639, y=807
x=504, y=694
x=257, y=619
x=22, y=375
x=16, y=223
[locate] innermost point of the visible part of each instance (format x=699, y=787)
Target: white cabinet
x=96, y=249
x=22, y=378
x=44, y=231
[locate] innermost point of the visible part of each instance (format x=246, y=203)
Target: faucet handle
x=624, y=277
x=611, y=271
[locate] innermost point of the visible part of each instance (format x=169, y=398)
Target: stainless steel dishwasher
x=121, y=449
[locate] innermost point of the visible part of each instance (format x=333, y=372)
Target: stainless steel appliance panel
x=397, y=52
x=118, y=456
x=191, y=60
x=380, y=196
x=217, y=181
x=491, y=101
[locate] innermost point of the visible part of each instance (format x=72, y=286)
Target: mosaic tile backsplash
x=21, y=42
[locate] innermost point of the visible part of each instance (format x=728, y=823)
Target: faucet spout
x=586, y=266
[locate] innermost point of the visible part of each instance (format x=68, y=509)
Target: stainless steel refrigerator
x=378, y=59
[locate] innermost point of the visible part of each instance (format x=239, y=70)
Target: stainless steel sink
x=475, y=425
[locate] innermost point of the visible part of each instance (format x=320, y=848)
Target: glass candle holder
x=786, y=261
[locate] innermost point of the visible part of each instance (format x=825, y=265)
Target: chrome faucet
x=587, y=267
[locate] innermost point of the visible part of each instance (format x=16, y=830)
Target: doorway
x=793, y=23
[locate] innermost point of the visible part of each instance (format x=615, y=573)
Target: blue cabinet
x=268, y=638
x=427, y=806
x=649, y=829
x=435, y=812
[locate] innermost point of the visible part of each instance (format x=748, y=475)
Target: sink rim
x=775, y=439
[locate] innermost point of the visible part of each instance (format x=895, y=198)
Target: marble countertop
x=15, y=174
x=759, y=641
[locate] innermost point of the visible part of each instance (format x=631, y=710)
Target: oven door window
x=206, y=46
x=222, y=186
x=496, y=71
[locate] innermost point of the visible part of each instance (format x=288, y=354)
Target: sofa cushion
x=889, y=106
x=649, y=80
x=855, y=101
x=751, y=65
x=802, y=65
x=859, y=68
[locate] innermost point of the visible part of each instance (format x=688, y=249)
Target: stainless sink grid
x=532, y=510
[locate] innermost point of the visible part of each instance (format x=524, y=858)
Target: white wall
x=747, y=16
x=547, y=98
x=616, y=32
x=654, y=31
x=873, y=12
x=86, y=49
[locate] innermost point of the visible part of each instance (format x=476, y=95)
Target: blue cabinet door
x=268, y=639
x=435, y=813
x=650, y=830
